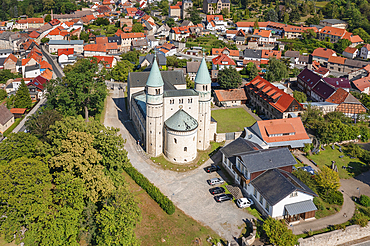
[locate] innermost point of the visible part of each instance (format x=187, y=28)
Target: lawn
x=325, y=157
x=232, y=119
x=159, y=228
x=202, y=157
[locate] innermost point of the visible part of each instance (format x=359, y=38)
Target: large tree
x=229, y=78
x=81, y=92
x=121, y=70
x=276, y=70
x=39, y=123
x=300, y=96
x=328, y=179
x=194, y=15
x=278, y=233
x=22, y=97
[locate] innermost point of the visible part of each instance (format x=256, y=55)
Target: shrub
x=365, y=201
x=333, y=197
x=360, y=219
x=317, y=201
x=163, y=201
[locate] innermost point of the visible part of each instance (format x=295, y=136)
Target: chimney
x=51, y=14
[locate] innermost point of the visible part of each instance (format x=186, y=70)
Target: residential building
x=215, y=6
x=36, y=87
x=362, y=84
x=265, y=177
x=272, y=101
x=347, y=103
x=66, y=57
x=107, y=61
x=337, y=83
x=216, y=23
x=240, y=37
x=10, y=63
x=226, y=51
x=192, y=69
x=6, y=118
x=166, y=49
x=140, y=45
x=185, y=7
x=95, y=50
x=179, y=33
x=334, y=23
x=174, y=11
x=222, y=61
x=336, y=63
x=18, y=112
x=322, y=55
x=147, y=61
x=127, y=39
x=230, y=98
x=333, y=35
x=365, y=51
x=55, y=45
x=350, y=52
x=263, y=36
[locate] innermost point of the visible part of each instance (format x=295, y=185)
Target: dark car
x=217, y=190
x=223, y=197
x=212, y=168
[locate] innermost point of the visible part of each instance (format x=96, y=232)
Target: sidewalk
x=342, y=216
x=305, y=160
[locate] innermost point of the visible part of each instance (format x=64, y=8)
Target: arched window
x=185, y=149
x=175, y=140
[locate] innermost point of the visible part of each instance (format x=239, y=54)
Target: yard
x=232, y=119
x=326, y=156
x=159, y=228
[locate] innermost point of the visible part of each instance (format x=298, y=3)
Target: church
x=169, y=118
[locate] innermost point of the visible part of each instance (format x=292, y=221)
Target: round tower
x=203, y=87
x=154, y=111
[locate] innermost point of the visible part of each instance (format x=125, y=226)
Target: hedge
x=333, y=197
x=163, y=201
x=365, y=201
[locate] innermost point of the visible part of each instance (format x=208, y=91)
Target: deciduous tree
x=278, y=233
x=229, y=78
x=121, y=70
x=22, y=97
x=328, y=179
x=300, y=96
x=276, y=70
x=39, y=123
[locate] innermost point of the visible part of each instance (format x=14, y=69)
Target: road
x=188, y=190
x=21, y=127
x=56, y=68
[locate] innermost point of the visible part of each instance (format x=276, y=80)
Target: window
x=172, y=101
x=255, y=192
x=267, y=207
x=175, y=140
x=190, y=100
x=261, y=199
x=185, y=149
x=181, y=101
x=294, y=194
x=157, y=91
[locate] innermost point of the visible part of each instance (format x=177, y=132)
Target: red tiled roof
x=271, y=53
x=350, y=50
x=216, y=51
x=363, y=83
x=11, y=57
x=132, y=35
x=221, y=59
x=337, y=60
x=353, y=39
x=95, y=47
x=323, y=52
x=367, y=46
x=35, y=20
x=101, y=40
x=333, y=31
x=18, y=110
x=45, y=65
x=34, y=34
x=213, y=17
x=54, y=22
x=231, y=95
x=262, y=33
x=68, y=51
x=282, y=127
x=108, y=60
x=47, y=74
x=174, y=7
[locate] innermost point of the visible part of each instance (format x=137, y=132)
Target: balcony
x=240, y=174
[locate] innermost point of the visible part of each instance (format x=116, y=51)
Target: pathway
x=346, y=213
x=304, y=160
x=188, y=190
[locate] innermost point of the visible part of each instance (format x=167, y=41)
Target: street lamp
x=358, y=188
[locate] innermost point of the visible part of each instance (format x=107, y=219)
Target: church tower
x=154, y=111
x=203, y=87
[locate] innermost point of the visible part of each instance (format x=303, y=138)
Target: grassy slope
x=232, y=119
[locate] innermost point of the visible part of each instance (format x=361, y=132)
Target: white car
x=215, y=181
x=244, y=202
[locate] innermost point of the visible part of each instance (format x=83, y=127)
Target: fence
x=220, y=137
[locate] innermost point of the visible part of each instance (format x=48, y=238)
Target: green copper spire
x=203, y=74
x=155, y=77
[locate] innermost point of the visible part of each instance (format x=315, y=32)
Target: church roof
x=181, y=121
x=180, y=93
x=170, y=78
x=203, y=74
x=155, y=77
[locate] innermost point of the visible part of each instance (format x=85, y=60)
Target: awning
x=300, y=207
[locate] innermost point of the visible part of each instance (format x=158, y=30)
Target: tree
x=170, y=22
x=255, y=25
x=25, y=195
x=3, y=94
x=252, y=69
x=362, y=33
x=294, y=15
x=189, y=82
x=225, y=12
x=328, y=179
x=271, y=16
x=300, y=96
x=164, y=5
x=137, y=27
x=121, y=70
x=22, y=97
x=47, y=18
x=131, y=56
x=278, y=233
x=101, y=22
x=80, y=92
x=195, y=16
x=6, y=74
x=285, y=17
x=341, y=45
x=39, y=123
x=276, y=70
x=229, y=78
x=30, y=11
x=45, y=40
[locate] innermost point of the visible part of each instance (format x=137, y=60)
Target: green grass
x=326, y=209
x=232, y=119
x=14, y=125
x=202, y=157
x=325, y=157
x=253, y=211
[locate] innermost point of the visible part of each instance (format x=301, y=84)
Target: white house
x=263, y=36
x=222, y=61
x=77, y=45
x=216, y=23
x=350, y=52
x=365, y=51
x=265, y=176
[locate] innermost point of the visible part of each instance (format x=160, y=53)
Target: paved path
x=21, y=126
x=342, y=216
x=304, y=160
x=188, y=190
x=57, y=70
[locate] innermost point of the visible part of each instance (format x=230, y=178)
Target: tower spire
x=155, y=77
x=203, y=73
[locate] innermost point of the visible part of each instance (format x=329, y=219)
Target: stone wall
x=220, y=137
x=337, y=237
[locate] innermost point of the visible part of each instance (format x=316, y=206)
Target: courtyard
x=232, y=119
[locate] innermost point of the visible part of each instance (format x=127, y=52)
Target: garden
x=232, y=119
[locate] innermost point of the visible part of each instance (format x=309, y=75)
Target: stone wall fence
x=220, y=137
x=350, y=233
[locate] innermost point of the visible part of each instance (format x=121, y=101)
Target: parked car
x=216, y=190
x=309, y=170
x=244, y=202
x=223, y=197
x=215, y=181
x=212, y=168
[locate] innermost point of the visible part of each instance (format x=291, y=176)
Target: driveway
x=188, y=190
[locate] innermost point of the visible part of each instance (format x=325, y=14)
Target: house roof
x=274, y=185
x=322, y=70
x=95, y=47
x=47, y=74
x=341, y=96
x=231, y=31
x=355, y=63
x=162, y=61
x=45, y=65
x=291, y=53
x=271, y=94
x=214, y=17
x=231, y=95
x=68, y=51
x=338, y=82
x=244, y=24
x=238, y=147
x=66, y=42
x=223, y=60
x=339, y=32
x=5, y=114
x=366, y=46
x=249, y=53
x=132, y=35
x=323, y=89
x=262, y=33
x=363, y=83
x=216, y=51
x=353, y=38
x=280, y=130
x=108, y=60
x=192, y=67
x=11, y=57
x=265, y=159
x=35, y=20
x=175, y=7
x=101, y=40
x=309, y=77
x=38, y=82
x=34, y=34
x=350, y=50
x=323, y=52
x=170, y=78
x=181, y=121
x=18, y=110
x=271, y=53
x=337, y=60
